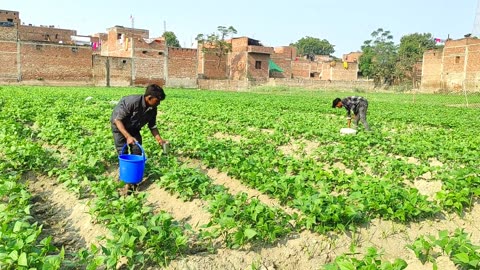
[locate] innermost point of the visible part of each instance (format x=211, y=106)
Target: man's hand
x=157, y=137
x=131, y=140
x=349, y=121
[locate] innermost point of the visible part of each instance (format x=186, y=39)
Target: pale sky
x=345, y=24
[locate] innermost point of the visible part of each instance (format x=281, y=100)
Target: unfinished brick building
x=248, y=60
x=126, y=56
x=454, y=68
x=352, y=57
x=121, y=57
x=38, y=53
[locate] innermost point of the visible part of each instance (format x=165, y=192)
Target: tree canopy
x=379, y=57
x=310, y=46
x=216, y=41
x=386, y=62
x=171, y=39
x=411, y=51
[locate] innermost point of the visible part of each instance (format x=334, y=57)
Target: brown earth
x=66, y=218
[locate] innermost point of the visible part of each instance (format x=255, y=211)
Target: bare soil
x=62, y=214
x=66, y=218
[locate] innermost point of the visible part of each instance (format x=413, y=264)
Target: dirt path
x=308, y=250
x=67, y=219
x=63, y=216
x=192, y=212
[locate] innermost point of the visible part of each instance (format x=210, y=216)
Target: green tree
x=171, y=39
x=379, y=57
x=310, y=46
x=216, y=43
x=411, y=51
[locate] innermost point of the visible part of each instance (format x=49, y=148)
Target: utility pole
x=133, y=52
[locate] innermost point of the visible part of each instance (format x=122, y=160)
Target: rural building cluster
x=126, y=56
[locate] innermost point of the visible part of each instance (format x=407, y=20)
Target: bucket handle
x=139, y=146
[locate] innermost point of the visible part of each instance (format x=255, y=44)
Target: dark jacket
x=134, y=113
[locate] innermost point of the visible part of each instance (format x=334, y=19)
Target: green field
x=418, y=165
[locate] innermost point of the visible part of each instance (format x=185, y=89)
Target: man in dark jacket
x=357, y=105
x=128, y=118
x=134, y=112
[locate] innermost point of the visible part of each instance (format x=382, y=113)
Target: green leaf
x=143, y=231
x=22, y=260
x=474, y=263
x=13, y=255
x=30, y=238
x=250, y=233
x=346, y=265
x=463, y=257
x=18, y=226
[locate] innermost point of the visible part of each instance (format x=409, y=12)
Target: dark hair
x=155, y=90
x=335, y=102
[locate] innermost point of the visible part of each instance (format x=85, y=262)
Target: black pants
x=360, y=112
x=120, y=142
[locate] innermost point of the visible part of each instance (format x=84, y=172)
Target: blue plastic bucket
x=132, y=166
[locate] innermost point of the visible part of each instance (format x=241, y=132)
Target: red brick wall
x=352, y=57
x=149, y=68
x=41, y=61
x=99, y=70
x=283, y=57
x=337, y=71
x=238, y=65
x=323, y=84
x=182, y=63
x=158, y=44
x=432, y=69
x=473, y=68
x=119, y=42
x=120, y=71
x=8, y=33
x=8, y=58
x=261, y=72
x=213, y=66
x=149, y=62
x=473, y=64
x=457, y=68
x=453, y=67
x=223, y=85
x=46, y=34
x=236, y=85
x=334, y=71
x=111, y=71
x=239, y=44
x=301, y=68
x=6, y=15
x=115, y=45
x=317, y=68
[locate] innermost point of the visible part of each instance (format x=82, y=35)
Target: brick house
x=456, y=67
x=352, y=57
x=126, y=56
x=248, y=60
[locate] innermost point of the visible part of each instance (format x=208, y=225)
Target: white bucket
x=345, y=131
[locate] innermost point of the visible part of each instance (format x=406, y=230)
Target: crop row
x=191, y=120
